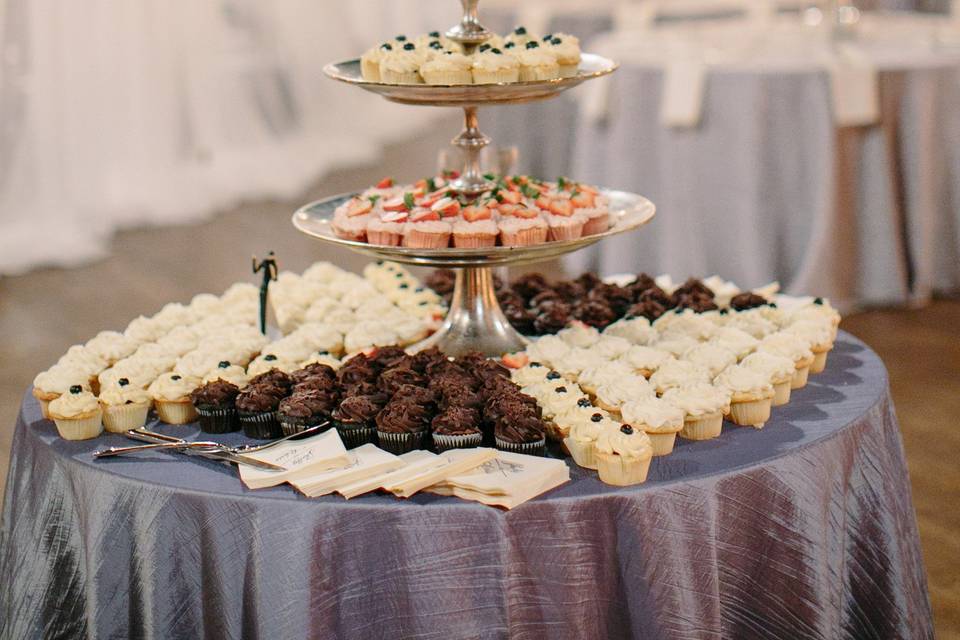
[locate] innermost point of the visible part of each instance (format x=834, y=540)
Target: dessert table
x=802, y=529
x=768, y=184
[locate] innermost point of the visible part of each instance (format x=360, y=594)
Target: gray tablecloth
x=767, y=187
x=804, y=529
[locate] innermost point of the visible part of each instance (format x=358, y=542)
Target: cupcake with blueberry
x=566, y=48
x=56, y=381
x=660, y=420
x=125, y=406
x=77, y=414
x=215, y=403
x=495, y=66
x=537, y=63
x=458, y=427
x=257, y=407
x=228, y=372
x=623, y=456
x=520, y=36
x=370, y=61
x=171, y=397
x=401, y=64
x=584, y=431
x=447, y=68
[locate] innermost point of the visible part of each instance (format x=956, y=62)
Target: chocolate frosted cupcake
x=215, y=403
x=273, y=377
x=456, y=428
x=357, y=369
x=402, y=426
x=392, y=379
x=257, y=408
x=355, y=419
x=306, y=409
x=387, y=357
x=314, y=370
x=520, y=431
x=318, y=383
x=423, y=360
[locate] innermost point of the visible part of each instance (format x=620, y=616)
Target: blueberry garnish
x=387, y=46
x=556, y=41
x=773, y=305
x=323, y=353
x=123, y=382
x=404, y=286
x=496, y=51
x=560, y=390
x=547, y=37
x=583, y=402
x=269, y=357
x=409, y=47
x=597, y=417
x=532, y=44
x=510, y=45
x=553, y=375
x=223, y=364
x=818, y=301
x=435, y=44
x=76, y=389
x=398, y=275
x=175, y=377
x=434, y=34
x=485, y=47
x=627, y=429
x=419, y=289
x=422, y=304
x=520, y=31
x=724, y=312
x=536, y=365
x=401, y=38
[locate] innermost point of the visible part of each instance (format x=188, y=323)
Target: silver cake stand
x=475, y=320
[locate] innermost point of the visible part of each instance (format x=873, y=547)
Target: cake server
x=223, y=453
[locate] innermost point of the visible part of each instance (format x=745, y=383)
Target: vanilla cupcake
x=124, y=406
x=530, y=374
x=704, y=406
x=577, y=360
x=370, y=62
x=401, y=65
x=171, y=397
x=584, y=432
x=736, y=340
x=493, y=66
x=645, y=361
x=623, y=456
x=602, y=374
x=56, y=381
x=111, y=346
x=520, y=37
x=548, y=349
x=613, y=396
x=659, y=419
x=818, y=334
x=232, y=373
x=676, y=345
x=448, y=68
x=779, y=371
x=566, y=49
x=77, y=414
x=685, y=323
x=578, y=334
x=558, y=427
x=713, y=357
x=819, y=308
x=637, y=330
x=611, y=347
x=679, y=373
x=751, y=395
x=322, y=357
x=793, y=347
x=560, y=399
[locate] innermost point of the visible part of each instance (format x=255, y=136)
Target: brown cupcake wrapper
x=290, y=426
x=355, y=435
x=260, y=426
x=397, y=443
x=537, y=448
x=220, y=420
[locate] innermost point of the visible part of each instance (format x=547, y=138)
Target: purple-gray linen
x=804, y=529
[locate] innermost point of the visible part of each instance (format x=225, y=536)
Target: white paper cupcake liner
x=620, y=471
x=537, y=448
x=175, y=412
x=123, y=417
x=445, y=443
x=662, y=443
x=703, y=427
x=80, y=428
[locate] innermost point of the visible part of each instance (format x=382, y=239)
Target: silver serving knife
x=144, y=435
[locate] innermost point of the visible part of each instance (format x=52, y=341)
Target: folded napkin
x=854, y=87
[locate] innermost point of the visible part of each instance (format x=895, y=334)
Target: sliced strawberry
x=543, y=202
x=446, y=207
x=358, y=207
x=561, y=207
x=582, y=200
x=423, y=215
x=472, y=214
x=585, y=188
x=429, y=199
x=517, y=211
x=513, y=197
x=386, y=183
x=395, y=204
x=395, y=216
x=515, y=360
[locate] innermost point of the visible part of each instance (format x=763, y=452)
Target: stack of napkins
x=506, y=480
x=300, y=458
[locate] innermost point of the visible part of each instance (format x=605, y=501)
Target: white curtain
x=139, y=112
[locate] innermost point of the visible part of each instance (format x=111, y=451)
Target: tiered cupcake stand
x=475, y=320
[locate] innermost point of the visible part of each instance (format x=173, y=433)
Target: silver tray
x=591, y=66
x=629, y=211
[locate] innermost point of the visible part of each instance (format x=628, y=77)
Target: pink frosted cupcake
x=387, y=229
x=425, y=230
x=597, y=220
x=521, y=226
x=475, y=229
x=351, y=218
x=562, y=227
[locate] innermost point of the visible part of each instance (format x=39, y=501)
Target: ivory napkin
x=364, y=461
x=301, y=458
x=507, y=480
x=453, y=462
x=414, y=463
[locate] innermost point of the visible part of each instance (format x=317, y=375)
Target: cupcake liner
x=524, y=237
x=80, y=428
x=530, y=73
x=398, y=443
x=662, y=443
x=385, y=238
x=399, y=77
x=453, y=76
x=595, y=225
x=175, y=412
x=425, y=239
x=620, y=471
x=474, y=240
x=219, y=420
x=750, y=413
x=703, y=427
x=354, y=435
x=560, y=233
x=800, y=376
x=819, y=361
x=123, y=417
x=445, y=443
x=537, y=448
x=45, y=398
x=583, y=453
x=569, y=70
x=260, y=426
x=494, y=77
x=290, y=426
x=370, y=70
x=781, y=392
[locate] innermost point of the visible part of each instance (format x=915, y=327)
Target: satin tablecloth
x=804, y=529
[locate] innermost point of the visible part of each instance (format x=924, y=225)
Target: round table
x=802, y=529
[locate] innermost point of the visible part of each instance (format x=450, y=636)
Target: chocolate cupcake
x=395, y=377
x=317, y=383
x=274, y=377
x=257, y=409
x=215, y=403
x=401, y=426
x=595, y=313
x=305, y=409
x=423, y=360
x=314, y=370
x=387, y=357
x=552, y=318
x=355, y=419
x=456, y=428
x=357, y=369
x=520, y=431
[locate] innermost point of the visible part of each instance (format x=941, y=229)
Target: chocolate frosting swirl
x=274, y=377
x=314, y=370
x=403, y=417
x=216, y=394
x=649, y=309
x=594, y=313
x=318, y=383
x=358, y=410
x=259, y=398
x=516, y=427
x=456, y=421
x=387, y=357
x=392, y=379
x=308, y=404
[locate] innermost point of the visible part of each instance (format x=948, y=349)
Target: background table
x=802, y=529
x=767, y=186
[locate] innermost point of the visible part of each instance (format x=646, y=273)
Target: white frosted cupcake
x=818, y=309
x=704, y=406
x=793, y=347
x=566, y=49
x=493, y=66
x=370, y=61
x=685, y=323
x=322, y=357
x=548, y=349
x=560, y=399
x=676, y=345
x=578, y=334
x=537, y=63
x=632, y=387
x=401, y=65
x=751, y=395
x=448, y=68
x=56, y=381
x=111, y=346
x=637, y=330
x=77, y=414
x=751, y=323
x=818, y=334
x=645, y=361
x=125, y=407
x=171, y=397
x=679, y=373
x=623, y=456
x=232, y=373
x=736, y=340
x=611, y=347
x=714, y=357
x=577, y=360
x=659, y=419
x=584, y=433
x=532, y=373
x=778, y=369
x=605, y=373
x=520, y=36
x=369, y=334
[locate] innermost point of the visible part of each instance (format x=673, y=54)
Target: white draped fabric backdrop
x=120, y=114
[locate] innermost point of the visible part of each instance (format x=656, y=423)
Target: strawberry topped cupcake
x=426, y=230
x=351, y=218
x=521, y=225
x=475, y=228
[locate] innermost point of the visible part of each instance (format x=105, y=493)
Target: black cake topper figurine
x=269, y=268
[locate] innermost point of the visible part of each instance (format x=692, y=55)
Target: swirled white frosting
x=234, y=374
x=127, y=394
x=699, y=399
x=685, y=323
x=72, y=405
x=585, y=429
x=740, y=379
x=636, y=330
x=647, y=358
x=817, y=333
x=632, y=445
x=548, y=349
x=712, y=356
x=631, y=387
x=60, y=377
x=678, y=373
x=736, y=340
x=676, y=344
x=111, y=346
x=777, y=368
x=529, y=375
x=611, y=347
x=786, y=344
x=578, y=334
x=603, y=374
x=653, y=415
x=172, y=387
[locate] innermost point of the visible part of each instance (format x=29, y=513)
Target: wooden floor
x=43, y=313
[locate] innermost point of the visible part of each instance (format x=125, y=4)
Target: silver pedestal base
x=475, y=321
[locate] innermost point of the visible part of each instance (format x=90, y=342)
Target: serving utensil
x=119, y=451
x=221, y=453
